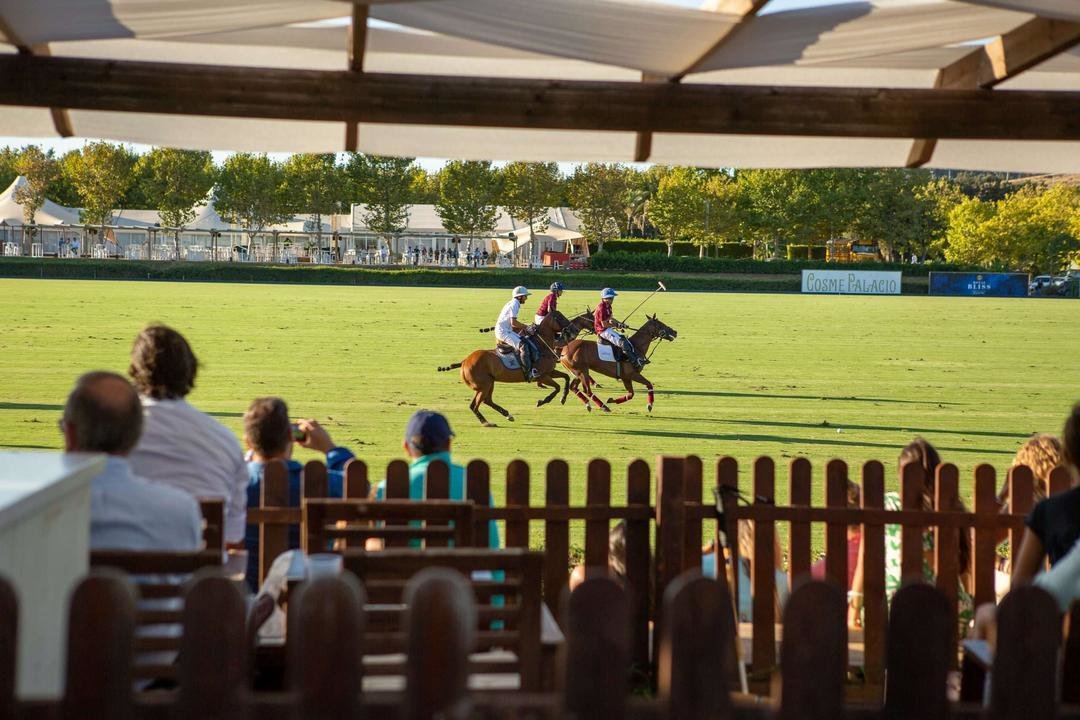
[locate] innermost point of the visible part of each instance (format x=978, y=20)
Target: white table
x=44, y=534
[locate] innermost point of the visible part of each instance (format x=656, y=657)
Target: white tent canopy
x=50, y=213
x=876, y=44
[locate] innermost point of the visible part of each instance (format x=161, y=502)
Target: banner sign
x=979, y=284
x=851, y=282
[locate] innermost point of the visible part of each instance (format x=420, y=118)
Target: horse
x=580, y=357
x=483, y=368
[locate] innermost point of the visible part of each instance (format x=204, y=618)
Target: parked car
x=1039, y=284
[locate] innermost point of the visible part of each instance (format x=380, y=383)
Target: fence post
x=357, y=485
x=638, y=561
x=836, y=496
x=912, y=482
x=597, y=495
x=1021, y=499
x=692, y=487
x=316, y=481
x=273, y=537
x=1024, y=681
x=326, y=634
x=799, y=480
x=213, y=649
x=947, y=546
x=100, y=642
x=9, y=637
x=436, y=487
x=695, y=665
x=441, y=606
x=984, y=552
x=873, y=560
x=478, y=489
x=812, y=656
x=398, y=487
x=921, y=629
x=597, y=649
x=517, y=496
x=670, y=523
x=727, y=483
x=763, y=571
x=556, y=534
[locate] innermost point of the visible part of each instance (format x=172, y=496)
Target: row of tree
x=985, y=219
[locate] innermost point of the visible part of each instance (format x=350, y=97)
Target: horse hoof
x=510, y=418
x=610, y=400
x=588, y=408
x=605, y=408
x=649, y=407
x=563, y=401
x=489, y=424
x=539, y=403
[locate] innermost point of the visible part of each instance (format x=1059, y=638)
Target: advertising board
x=851, y=282
x=979, y=284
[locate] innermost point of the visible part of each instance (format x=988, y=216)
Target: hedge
x=681, y=248
x=658, y=262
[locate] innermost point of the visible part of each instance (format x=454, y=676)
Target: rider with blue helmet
x=607, y=327
x=549, y=303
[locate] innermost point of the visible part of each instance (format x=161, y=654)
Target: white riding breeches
x=612, y=336
x=537, y=319
x=508, y=337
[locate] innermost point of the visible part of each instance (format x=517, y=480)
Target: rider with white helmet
x=549, y=303
x=607, y=327
x=507, y=329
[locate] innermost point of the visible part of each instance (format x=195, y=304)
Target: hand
x=315, y=437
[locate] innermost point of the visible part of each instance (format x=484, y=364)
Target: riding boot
x=632, y=355
x=526, y=362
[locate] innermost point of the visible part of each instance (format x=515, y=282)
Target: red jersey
x=547, y=305
x=601, y=316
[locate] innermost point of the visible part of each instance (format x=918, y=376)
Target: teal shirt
x=417, y=490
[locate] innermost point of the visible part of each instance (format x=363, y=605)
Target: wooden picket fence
x=327, y=635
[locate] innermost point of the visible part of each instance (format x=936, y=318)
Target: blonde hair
x=1042, y=453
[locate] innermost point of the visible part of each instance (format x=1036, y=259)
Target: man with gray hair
x=103, y=414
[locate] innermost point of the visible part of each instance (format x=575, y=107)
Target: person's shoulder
x=161, y=496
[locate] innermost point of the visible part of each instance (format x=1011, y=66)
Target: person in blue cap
x=427, y=438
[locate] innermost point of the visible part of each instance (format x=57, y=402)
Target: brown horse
x=580, y=358
x=483, y=368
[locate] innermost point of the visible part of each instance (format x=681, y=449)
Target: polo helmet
x=557, y=287
x=519, y=291
x=608, y=293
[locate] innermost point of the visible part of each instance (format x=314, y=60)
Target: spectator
x=485, y=257
x=746, y=565
x=181, y=446
x=1053, y=527
x=427, y=438
x=854, y=540
x=1041, y=453
x=270, y=436
x=616, y=557
x=103, y=414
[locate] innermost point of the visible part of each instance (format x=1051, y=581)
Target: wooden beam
x=340, y=96
x=357, y=45
x=1008, y=55
x=61, y=119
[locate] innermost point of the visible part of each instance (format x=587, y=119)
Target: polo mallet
x=661, y=287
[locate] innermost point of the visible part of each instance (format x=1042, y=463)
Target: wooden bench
x=397, y=523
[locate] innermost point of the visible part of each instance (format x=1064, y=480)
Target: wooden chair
x=514, y=626
x=213, y=513
x=433, y=523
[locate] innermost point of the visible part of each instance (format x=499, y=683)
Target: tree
x=725, y=211
x=250, y=192
x=468, y=197
x=781, y=206
x=529, y=191
x=101, y=173
x=175, y=181
x=386, y=186
x=596, y=195
x=314, y=185
x=678, y=210
x=8, y=173
x=39, y=169
x=425, y=186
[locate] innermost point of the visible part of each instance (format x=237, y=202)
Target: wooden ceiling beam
x=1008, y=55
x=342, y=96
x=357, y=46
x=743, y=10
x=60, y=118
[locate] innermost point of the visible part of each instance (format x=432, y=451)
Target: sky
x=62, y=145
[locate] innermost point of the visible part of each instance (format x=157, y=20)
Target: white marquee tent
x=884, y=44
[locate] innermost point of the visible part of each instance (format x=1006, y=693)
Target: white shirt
x=129, y=513
x=509, y=312
x=189, y=450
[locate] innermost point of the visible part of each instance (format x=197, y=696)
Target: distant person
x=486, y=256
x=1053, y=527
x=550, y=303
x=428, y=438
x=1041, y=453
x=854, y=540
x=181, y=446
x=746, y=569
x=270, y=435
x=103, y=414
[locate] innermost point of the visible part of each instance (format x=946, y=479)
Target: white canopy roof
x=881, y=43
x=49, y=213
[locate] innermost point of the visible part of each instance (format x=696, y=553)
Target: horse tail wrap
x=450, y=367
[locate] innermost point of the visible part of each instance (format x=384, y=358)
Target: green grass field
x=750, y=374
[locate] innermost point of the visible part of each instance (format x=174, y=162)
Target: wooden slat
x=437, y=487
x=529, y=621
x=357, y=485
x=727, y=483
x=213, y=654
x=638, y=560
x=597, y=492
x=274, y=493
x=913, y=518
x=812, y=655
x=315, y=480
x=947, y=547
x=397, y=488
x=213, y=513
x=836, y=495
x=763, y=570
x=670, y=530
x=478, y=490
x=538, y=512
x=9, y=627
x=442, y=628
x=597, y=618
x=1024, y=682
x=1070, y=658
x=190, y=89
x=326, y=644
x=517, y=495
x=692, y=491
x=358, y=37
x=556, y=534
x=1021, y=499
x=101, y=631
x=873, y=550
x=912, y=482
x=162, y=562
x=921, y=628
x=799, y=493
x=984, y=551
